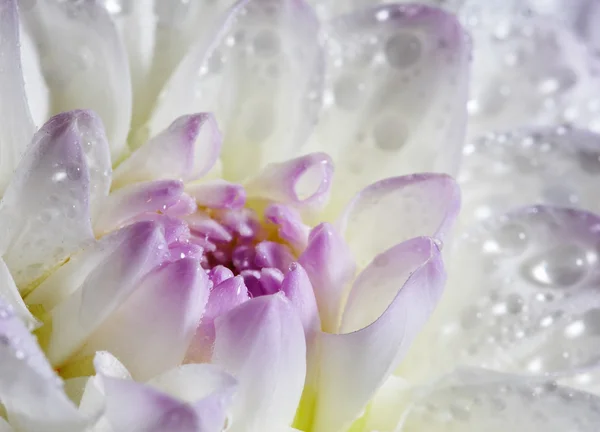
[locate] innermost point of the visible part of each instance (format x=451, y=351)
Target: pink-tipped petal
x=397, y=209
x=218, y=194
x=124, y=205
x=272, y=254
x=184, y=207
x=297, y=288
x=17, y=126
x=94, y=283
x=271, y=280
x=27, y=380
x=264, y=88
x=85, y=63
x=157, y=321
x=330, y=268
x=191, y=398
x=219, y=274
x=186, y=151
x=45, y=211
x=224, y=297
x=291, y=227
x=352, y=366
x=301, y=182
x=398, y=90
x=261, y=343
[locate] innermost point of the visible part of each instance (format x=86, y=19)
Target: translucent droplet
x=402, y=50
x=511, y=238
x=73, y=172
x=348, y=92
x=563, y=266
x=589, y=161
x=266, y=43
x=389, y=133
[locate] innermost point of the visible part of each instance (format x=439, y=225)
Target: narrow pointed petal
x=498, y=403
x=297, y=288
x=186, y=151
x=124, y=205
x=218, y=194
x=27, y=380
x=224, y=297
x=17, y=126
x=9, y=294
x=300, y=182
x=202, y=395
x=92, y=285
x=264, y=87
x=330, y=268
x=157, y=321
x=397, y=209
x=352, y=366
x=398, y=95
x=45, y=211
x=81, y=49
x=261, y=343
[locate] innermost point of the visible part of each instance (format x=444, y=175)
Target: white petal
x=396, y=95
x=397, y=209
x=261, y=343
x=352, y=366
x=152, y=330
x=17, y=126
x=84, y=63
x=27, y=380
x=46, y=208
x=259, y=85
x=4, y=426
x=9, y=294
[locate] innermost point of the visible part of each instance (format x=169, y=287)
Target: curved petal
x=218, y=194
x=498, y=403
x=352, y=366
x=521, y=297
x=81, y=48
x=225, y=296
x=261, y=343
x=297, y=288
x=124, y=205
x=291, y=228
x=9, y=294
x=260, y=75
x=152, y=330
x=330, y=268
x=27, y=380
x=132, y=406
x=545, y=165
x=46, y=208
x=95, y=283
x=397, y=209
x=186, y=151
x=17, y=126
x=396, y=95
x=301, y=182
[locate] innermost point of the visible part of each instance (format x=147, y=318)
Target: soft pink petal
x=397, y=209
x=45, y=211
x=131, y=406
x=261, y=343
x=17, y=126
x=352, y=366
x=273, y=254
x=330, y=268
x=185, y=151
x=297, y=288
x=85, y=63
x=152, y=330
x=218, y=194
x=27, y=380
x=224, y=297
x=397, y=95
x=291, y=228
x=93, y=284
x=124, y=205
x=301, y=182
x=264, y=87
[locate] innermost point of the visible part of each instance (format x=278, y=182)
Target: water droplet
x=402, y=50
x=73, y=172
x=511, y=238
x=266, y=43
x=348, y=92
x=389, y=133
x=563, y=266
x=589, y=161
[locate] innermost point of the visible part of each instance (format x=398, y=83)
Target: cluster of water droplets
x=537, y=406
x=552, y=165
